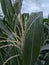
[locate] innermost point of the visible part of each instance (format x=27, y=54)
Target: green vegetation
x=23, y=38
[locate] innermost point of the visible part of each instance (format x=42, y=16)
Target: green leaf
x=17, y=6
x=8, y=10
x=47, y=59
x=25, y=17
x=33, y=39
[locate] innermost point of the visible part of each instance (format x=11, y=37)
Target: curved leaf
x=33, y=39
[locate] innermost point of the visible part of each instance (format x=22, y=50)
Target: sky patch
x=30, y=6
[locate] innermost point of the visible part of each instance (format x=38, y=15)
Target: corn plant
x=20, y=35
